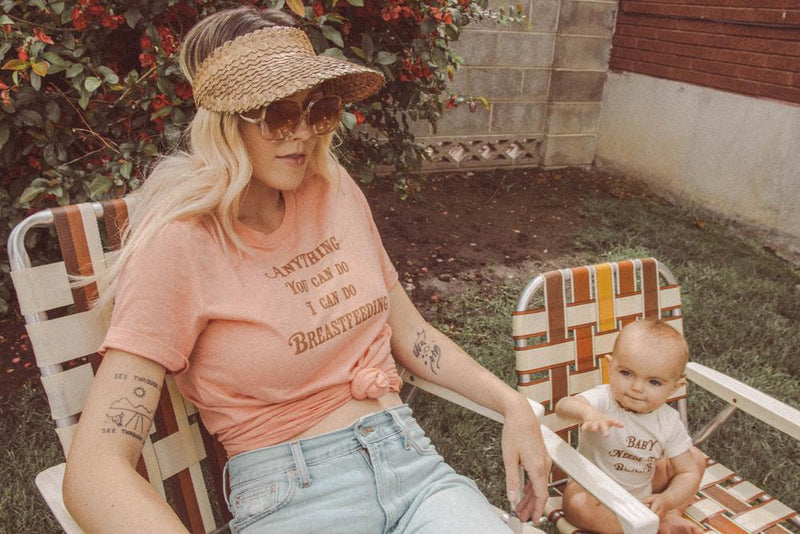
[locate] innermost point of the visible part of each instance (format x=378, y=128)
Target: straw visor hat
x=269, y=64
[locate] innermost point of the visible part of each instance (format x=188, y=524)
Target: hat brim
x=259, y=79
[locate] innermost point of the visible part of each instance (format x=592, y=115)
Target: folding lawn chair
x=567, y=320
x=180, y=459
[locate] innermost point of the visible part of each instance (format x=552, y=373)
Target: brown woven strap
x=180, y=485
x=556, y=330
x=115, y=219
x=75, y=251
x=650, y=288
x=216, y=463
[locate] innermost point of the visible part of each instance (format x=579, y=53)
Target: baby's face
x=641, y=378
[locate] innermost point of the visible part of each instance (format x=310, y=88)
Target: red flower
x=145, y=43
x=168, y=42
x=183, y=90
x=35, y=163
x=22, y=54
x=95, y=10
x=160, y=101
x=7, y=28
x=318, y=9
x=147, y=60
x=360, y=117
x=111, y=21
x=78, y=19
x=159, y=122
x=39, y=34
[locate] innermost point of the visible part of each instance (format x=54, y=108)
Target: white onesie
x=628, y=454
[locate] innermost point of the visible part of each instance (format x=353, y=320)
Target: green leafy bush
x=90, y=90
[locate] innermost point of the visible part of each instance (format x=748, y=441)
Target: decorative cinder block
x=484, y=151
x=587, y=18
x=518, y=118
x=562, y=150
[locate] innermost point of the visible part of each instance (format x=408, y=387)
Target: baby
x=630, y=433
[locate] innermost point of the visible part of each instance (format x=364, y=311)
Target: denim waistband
x=317, y=449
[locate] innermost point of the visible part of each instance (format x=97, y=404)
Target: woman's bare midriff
x=347, y=414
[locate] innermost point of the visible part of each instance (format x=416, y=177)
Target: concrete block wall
x=544, y=83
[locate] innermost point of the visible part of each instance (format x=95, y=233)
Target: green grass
x=29, y=445
x=741, y=307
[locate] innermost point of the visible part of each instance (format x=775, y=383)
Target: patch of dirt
x=469, y=228
x=464, y=229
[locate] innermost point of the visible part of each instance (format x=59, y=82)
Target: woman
x=254, y=272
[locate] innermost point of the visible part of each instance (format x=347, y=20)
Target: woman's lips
x=295, y=160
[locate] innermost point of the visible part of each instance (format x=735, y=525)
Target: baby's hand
x=659, y=504
x=600, y=422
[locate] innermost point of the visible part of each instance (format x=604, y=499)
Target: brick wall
x=723, y=44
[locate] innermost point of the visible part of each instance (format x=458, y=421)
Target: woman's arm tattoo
x=429, y=353
x=127, y=415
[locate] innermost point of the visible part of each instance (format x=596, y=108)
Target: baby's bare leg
x=586, y=512
x=664, y=471
x=674, y=522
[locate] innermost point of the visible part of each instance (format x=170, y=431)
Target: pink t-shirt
x=268, y=344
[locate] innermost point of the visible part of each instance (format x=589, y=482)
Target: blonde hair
x=207, y=180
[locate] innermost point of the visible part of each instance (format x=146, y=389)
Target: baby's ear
x=680, y=382
x=609, y=359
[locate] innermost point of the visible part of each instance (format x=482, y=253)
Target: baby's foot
x=674, y=523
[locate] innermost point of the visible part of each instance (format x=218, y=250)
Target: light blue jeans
x=379, y=475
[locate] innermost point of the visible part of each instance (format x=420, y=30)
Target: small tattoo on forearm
x=429, y=355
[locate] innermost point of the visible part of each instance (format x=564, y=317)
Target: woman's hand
x=523, y=446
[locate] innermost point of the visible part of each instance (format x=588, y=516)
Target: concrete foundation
x=736, y=155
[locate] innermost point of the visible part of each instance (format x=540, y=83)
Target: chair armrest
x=634, y=516
x=748, y=399
x=455, y=398
x=49, y=483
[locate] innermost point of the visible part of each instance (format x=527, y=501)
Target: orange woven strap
x=604, y=284
x=582, y=294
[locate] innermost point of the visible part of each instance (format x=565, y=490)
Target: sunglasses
x=279, y=120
